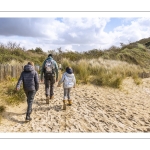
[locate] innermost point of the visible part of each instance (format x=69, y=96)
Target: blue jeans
x=30, y=97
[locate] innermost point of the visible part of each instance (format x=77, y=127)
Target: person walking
x=29, y=78
x=69, y=81
x=50, y=71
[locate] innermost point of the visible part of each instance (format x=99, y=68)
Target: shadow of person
x=48, y=108
x=57, y=107
x=40, y=103
x=11, y=116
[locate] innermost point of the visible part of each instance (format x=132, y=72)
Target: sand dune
x=94, y=109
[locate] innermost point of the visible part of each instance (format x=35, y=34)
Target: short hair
x=50, y=55
x=31, y=63
x=69, y=70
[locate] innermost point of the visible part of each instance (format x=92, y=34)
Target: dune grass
x=9, y=95
x=103, y=72
x=2, y=109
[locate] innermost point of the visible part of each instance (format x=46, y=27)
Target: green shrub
x=13, y=96
x=9, y=94
x=2, y=109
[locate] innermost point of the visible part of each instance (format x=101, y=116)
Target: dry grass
x=2, y=109
x=8, y=93
x=103, y=72
x=14, y=63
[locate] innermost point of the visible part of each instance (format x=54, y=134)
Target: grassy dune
x=103, y=72
x=100, y=67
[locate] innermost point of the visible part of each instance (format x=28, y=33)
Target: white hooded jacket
x=68, y=80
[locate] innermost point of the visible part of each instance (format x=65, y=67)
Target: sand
x=94, y=109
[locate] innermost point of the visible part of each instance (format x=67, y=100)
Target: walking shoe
x=64, y=105
x=52, y=97
x=28, y=118
x=69, y=102
x=47, y=100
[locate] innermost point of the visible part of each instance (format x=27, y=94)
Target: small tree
x=38, y=50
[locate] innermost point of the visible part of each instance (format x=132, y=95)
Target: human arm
x=56, y=70
x=42, y=71
x=19, y=82
x=36, y=80
x=61, y=80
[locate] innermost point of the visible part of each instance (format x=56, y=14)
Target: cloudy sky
x=76, y=34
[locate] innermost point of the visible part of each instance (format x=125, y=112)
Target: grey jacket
x=62, y=80
x=29, y=77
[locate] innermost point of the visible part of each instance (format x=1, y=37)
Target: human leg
x=65, y=93
x=47, y=87
x=65, y=99
x=68, y=94
x=30, y=98
x=52, y=82
x=47, y=90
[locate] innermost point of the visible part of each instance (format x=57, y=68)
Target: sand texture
x=94, y=109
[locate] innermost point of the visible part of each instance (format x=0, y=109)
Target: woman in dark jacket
x=30, y=80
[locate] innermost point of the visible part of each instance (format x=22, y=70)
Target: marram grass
x=103, y=72
x=9, y=94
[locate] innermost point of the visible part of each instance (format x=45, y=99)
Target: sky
x=73, y=33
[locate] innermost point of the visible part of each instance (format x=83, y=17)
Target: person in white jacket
x=69, y=81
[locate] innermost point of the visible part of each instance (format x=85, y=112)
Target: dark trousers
x=49, y=86
x=30, y=97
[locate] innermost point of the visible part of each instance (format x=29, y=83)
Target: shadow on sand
x=10, y=116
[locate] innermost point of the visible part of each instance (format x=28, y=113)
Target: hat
x=69, y=70
x=50, y=55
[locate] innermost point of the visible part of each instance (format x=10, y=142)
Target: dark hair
x=69, y=70
x=50, y=55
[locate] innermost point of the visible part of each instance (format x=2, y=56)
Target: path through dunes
x=94, y=109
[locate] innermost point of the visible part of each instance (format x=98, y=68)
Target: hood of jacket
x=28, y=68
x=69, y=70
x=49, y=58
x=69, y=75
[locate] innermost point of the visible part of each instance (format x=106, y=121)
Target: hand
x=17, y=89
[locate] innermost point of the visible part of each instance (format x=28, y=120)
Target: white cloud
x=138, y=29
x=78, y=34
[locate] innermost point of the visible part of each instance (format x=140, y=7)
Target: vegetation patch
x=2, y=109
x=9, y=94
x=103, y=72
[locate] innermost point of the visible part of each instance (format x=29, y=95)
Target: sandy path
x=94, y=109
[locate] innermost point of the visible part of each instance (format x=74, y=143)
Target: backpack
x=49, y=69
x=68, y=82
